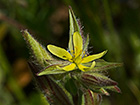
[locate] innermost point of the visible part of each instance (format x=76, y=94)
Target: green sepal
x=39, y=53
x=50, y=71
x=64, y=96
x=91, y=98
x=97, y=98
x=103, y=91
x=100, y=90
x=54, y=67
x=113, y=88
x=96, y=80
x=102, y=65
x=73, y=28
x=85, y=47
x=53, y=91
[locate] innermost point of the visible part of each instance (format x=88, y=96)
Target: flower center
x=76, y=57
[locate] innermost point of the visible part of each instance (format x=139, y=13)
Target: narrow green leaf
x=39, y=53
x=73, y=28
x=75, y=23
x=54, y=67
x=102, y=65
x=54, y=71
x=71, y=31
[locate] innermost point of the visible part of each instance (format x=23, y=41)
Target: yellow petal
x=93, y=57
x=59, y=52
x=78, y=43
x=69, y=67
x=92, y=65
x=85, y=68
x=82, y=67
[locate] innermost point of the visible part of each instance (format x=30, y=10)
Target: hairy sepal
x=91, y=98
x=102, y=65
x=39, y=53
x=54, y=92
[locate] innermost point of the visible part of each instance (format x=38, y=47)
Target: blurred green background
x=112, y=24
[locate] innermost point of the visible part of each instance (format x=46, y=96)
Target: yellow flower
x=76, y=55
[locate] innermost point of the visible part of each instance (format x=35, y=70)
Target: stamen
x=72, y=52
